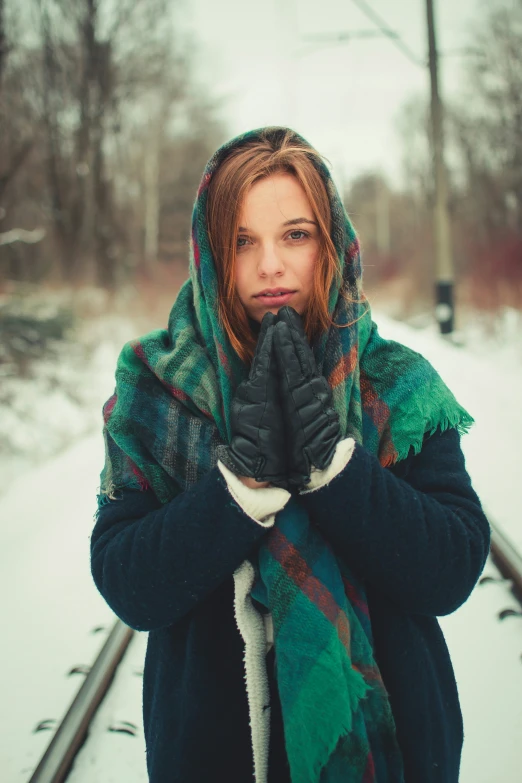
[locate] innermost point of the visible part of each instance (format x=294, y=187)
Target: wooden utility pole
x=382, y=214
x=3, y=41
x=444, y=273
x=444, y=311
x=152, y=195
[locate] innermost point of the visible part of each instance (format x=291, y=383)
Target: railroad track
x=507, y=560
x=56, y=762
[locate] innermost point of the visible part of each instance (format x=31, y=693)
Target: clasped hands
x=283, y=422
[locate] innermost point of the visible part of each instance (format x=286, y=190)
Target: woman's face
x=277, y=246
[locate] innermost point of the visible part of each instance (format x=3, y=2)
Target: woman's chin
x=257, y=314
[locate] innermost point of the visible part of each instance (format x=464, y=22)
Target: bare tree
x=484, y=134
x=95, y=95
x=3, y=41
x=493, y=120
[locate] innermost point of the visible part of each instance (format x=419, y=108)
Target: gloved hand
x=257, y=446
x=311, y=421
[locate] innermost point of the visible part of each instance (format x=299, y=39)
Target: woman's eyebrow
x=292, y=222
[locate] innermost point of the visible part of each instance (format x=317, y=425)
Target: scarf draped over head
x=171, y=410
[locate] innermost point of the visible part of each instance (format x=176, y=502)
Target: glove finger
x=268, y=320
x=287, y=359
x=290, y=316
x=273, y=390
x=304, y=353
x=261, y=364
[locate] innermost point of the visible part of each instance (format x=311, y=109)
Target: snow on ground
x=51, y=607
x=485, y=652
x=61, y=400
x=485, y=374
x=486, y=378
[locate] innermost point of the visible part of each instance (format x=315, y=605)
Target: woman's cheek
x=311, y=261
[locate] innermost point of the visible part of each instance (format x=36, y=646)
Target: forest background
x=104, y=133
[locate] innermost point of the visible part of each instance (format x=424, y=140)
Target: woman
x=284, y=504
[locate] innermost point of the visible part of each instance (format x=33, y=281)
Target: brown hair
x=275, y=150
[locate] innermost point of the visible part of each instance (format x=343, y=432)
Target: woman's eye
x=241, y=241
x=301, y=234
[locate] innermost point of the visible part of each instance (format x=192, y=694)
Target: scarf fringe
x=108, y=493
x=458, y=418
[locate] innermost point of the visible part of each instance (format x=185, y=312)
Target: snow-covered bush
x=57, y=361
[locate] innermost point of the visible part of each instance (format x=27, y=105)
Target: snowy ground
x=52, y=609
x=60, y=402
x=486, y=378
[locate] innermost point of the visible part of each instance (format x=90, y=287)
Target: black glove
x=311, y=421
x=257, y=447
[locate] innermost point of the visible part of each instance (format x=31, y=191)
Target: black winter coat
x=414, y=533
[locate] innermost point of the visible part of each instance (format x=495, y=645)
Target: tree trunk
x=3, y=42
x=60, y=217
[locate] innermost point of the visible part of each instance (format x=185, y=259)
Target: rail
x=70, y=735
x=507, y=560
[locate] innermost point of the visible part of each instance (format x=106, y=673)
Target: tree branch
x=21, y=235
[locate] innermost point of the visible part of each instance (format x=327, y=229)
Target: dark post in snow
x=444, y=311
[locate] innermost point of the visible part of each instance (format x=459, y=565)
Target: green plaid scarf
x=171, y=410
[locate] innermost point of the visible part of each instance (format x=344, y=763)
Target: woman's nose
x=270, y=261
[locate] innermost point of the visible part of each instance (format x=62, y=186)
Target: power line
x=318, y=40
x=387, y=31
x=341, y=36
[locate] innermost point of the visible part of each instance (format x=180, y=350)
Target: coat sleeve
x=154, y=563
x=422, y=539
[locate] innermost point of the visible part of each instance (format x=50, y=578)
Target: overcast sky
x=345, y=98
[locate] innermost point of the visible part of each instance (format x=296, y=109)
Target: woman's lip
x=276, y=300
